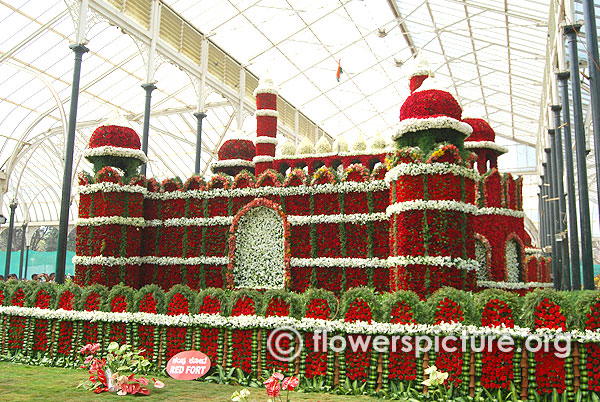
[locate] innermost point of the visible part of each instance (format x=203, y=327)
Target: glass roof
x=490, y=54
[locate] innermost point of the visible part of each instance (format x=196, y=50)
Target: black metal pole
x=591, y=39
x=562, y=237
x=553, y=206
x=200, y=116
x=541, y=217
x=582, y=183
x=11, y=227
x=61, y=252
x=563, y=87
x=26, y=262
x=149, y=87
x=545, y=207
x=22, y=250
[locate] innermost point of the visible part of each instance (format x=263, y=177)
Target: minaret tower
x=266, y=125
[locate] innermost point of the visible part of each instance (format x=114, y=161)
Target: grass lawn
x=20, y=382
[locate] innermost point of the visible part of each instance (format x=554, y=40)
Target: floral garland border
x=513, y=285
x=486, y=144
x=120, y=152
x=303, y=324
x=434, y=168
x=428, y=123
x=441, y=205
x=446, y=261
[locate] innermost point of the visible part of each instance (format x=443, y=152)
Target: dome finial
x=420, y=71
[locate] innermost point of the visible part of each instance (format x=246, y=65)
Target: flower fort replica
x=415, y=217
x=418, y=234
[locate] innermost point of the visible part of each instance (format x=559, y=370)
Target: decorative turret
x=266, y=124
x=482, y=143
x=235, y=155
x=432, y=196
x=116, y=146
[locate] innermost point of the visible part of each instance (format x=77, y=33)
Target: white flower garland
x=481, y=257
x=232, y=163
x=153, y=260
x=339, y=262
x=533, y=251
x=111, y=220
x=108, y=187
x=329, y=188
x=304, y=324
x=262, y=159
x=120, y=152
x=513, y=285
x=263, y=139
x=266, y=113
x=421, y=205
x=435, y=168
x=500, y=211
x=486, y=144
x=444, y=261
x=428, y=123
x=297, y=220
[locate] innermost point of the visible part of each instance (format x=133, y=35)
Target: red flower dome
x=430, y=103
x=115, y=136
x=237, y=149
x=481, y=130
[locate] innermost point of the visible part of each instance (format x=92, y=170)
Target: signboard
x=188, y=365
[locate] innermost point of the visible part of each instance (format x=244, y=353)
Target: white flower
x=513, y=262
x=306, y=147
x=288, y=148
x=340, y=144
x=378, y=142
x=359, y=143
x=435, y=168
x=428, y=123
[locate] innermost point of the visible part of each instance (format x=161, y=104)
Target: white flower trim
x=339, y=262
x=428, y=123
x=513, y=285
x=444, y=261
x=266, y=113
x=501, y=211
x=435, y=168
x=297, y=220
x=533, y=251
x=304, y=324
x=111, y=220
x=374, y=152
x=262, y=159
x=265, y=90
x=486, y=144
x=266, y=140
x=294, y=220
x=232, y=163
x=107, y=187
x=422, y=205
x=329, y=188
x=111, y=261
x=419, y=73
x=120, y=152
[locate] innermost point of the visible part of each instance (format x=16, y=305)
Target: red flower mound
x=237, y=149
x=318, y=308
x=115, y=136
x=210, y=305
x=277, y=308
x=118, y=304
x=448, y=311
x=481, y=130
x=402, y=314
x=430, y=103
x=549, y=315
x=18, y=298
x=358, y=310
x=178, y=305
x=495, y=313
x=42, y=300
x=243, y=306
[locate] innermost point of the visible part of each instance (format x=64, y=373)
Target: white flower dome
x=359, y=143
x=306, y=147
x=340, y=144
x=323, y=146
x=378, y=142
x=288, y=148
